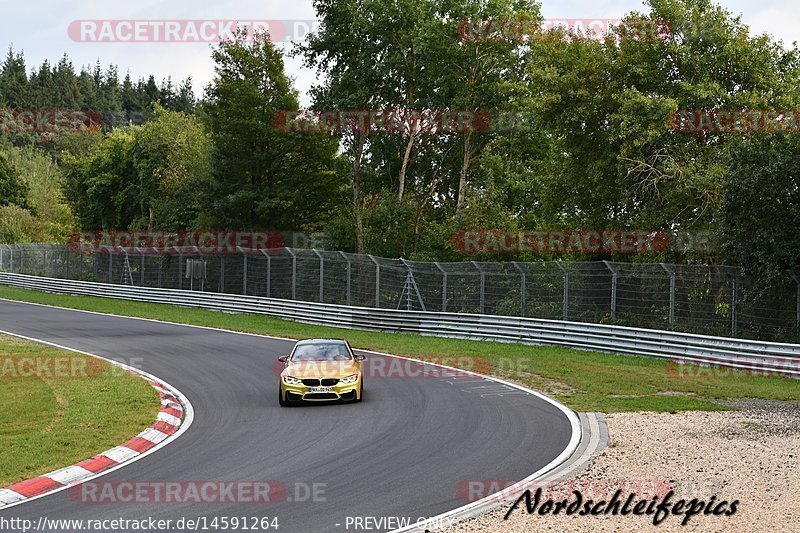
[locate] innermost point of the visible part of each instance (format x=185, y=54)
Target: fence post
x=269, y=269
x=797, y=306
x=180, y=268
x=222, y=273
x=82, y=267
x=483, y=284
x=566, y=289
x=79, y=256
x=244, y=270
x=110, y=265
x=141, y=265
x=671, y=274
x=294, y=272
x=321, y=274
x=67, y=261
x=734, y=287
x=444, y=286
x=613, y=289
x=521, y=288
x=160, y=271
x=347, y=295
x=377, y=281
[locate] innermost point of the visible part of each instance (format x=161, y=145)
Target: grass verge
x=585, y=381
x=58, y=408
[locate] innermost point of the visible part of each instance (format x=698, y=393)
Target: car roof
x=320, y=341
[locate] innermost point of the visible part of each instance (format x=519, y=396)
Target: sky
x=46, y=29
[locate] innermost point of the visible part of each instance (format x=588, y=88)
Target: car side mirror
x=359, y=357
x=283, y=359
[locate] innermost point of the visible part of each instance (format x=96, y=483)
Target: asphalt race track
x=400, y=453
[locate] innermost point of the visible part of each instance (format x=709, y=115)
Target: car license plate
x=320, y=389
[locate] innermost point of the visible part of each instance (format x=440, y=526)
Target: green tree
x=265, y=178
x=17, y=225
x=13, y=189
x=346, y=52
x=605, y=105
x=151, y=176
x=760, y=207
x=54, y=220
x=173, y=160
x=409, y=55
x=14, y=86
x=65, y=84
x=102, y=187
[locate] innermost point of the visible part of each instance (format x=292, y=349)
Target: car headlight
x=289, y=380
x=349, y=379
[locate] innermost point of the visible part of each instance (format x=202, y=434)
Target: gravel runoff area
x=749, y=455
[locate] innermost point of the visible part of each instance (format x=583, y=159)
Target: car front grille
x=328, y=382
x=322, y=396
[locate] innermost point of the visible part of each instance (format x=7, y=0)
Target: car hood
x=321, y=369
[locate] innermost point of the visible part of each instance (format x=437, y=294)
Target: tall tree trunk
x=462, y=179
x=358, y=151
x=404, y=167
x=412, y=127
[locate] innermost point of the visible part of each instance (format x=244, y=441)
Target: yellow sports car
x=321, y=370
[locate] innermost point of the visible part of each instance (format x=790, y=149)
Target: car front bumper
x=296, y=393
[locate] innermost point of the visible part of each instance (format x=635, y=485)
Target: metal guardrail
x=712, y=300
x=755, y=356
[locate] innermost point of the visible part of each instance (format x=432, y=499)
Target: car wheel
x=281, y=401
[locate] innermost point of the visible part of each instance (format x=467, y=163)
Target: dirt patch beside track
x=751, y=455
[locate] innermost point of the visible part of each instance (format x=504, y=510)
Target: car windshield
x=321, y=352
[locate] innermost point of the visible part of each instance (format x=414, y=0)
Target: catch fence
x=705, y=299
